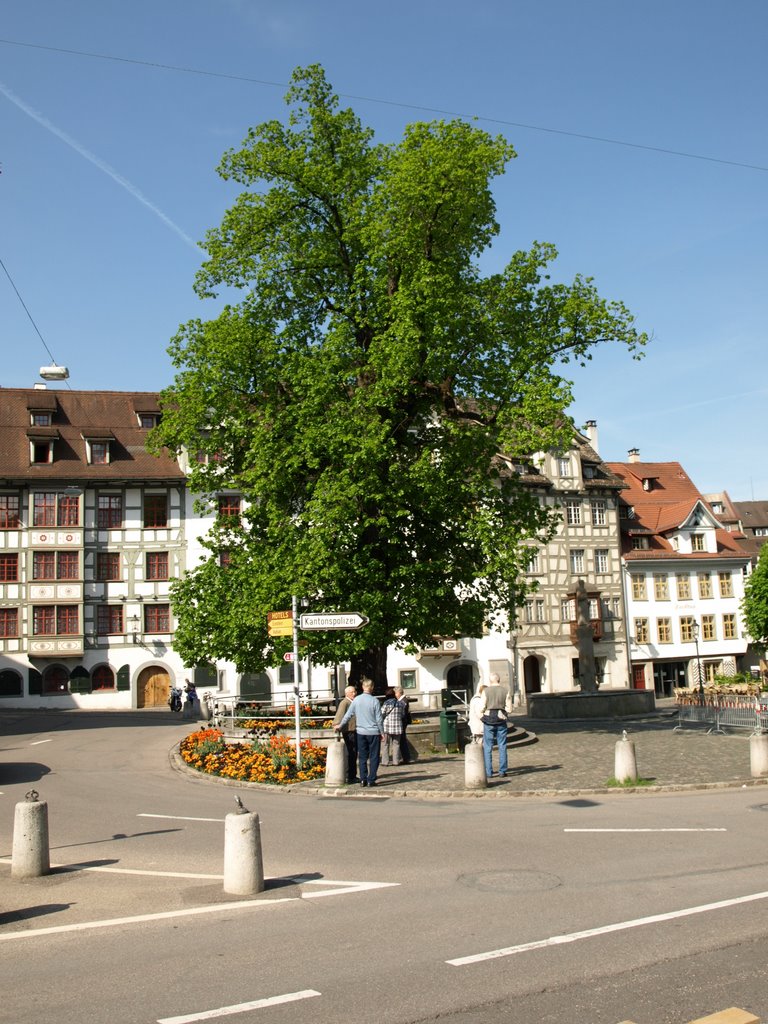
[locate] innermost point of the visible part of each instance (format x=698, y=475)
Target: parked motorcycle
x=174, y=701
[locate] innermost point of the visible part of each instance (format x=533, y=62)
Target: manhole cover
x=510, y=881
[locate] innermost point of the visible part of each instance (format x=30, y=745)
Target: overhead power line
x=24, y=305
x=395, y=103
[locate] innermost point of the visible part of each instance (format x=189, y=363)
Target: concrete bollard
x=205, y=710
x=30, y=855
x=243, y=865
x=625, y=762
x=336, y=762
x=474, y=767
x=758, y=754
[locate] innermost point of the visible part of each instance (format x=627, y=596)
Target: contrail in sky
x=102, y=166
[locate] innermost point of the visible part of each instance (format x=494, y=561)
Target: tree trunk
x=370, y=664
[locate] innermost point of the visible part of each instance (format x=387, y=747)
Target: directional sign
x=279, y=623
x=288, y=656
x=333, y=620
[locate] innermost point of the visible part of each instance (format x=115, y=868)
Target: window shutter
x=80, y=680
x=124, y=677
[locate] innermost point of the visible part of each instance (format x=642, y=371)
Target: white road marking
x=645, y=830
x=342, y=888
x=141, y=918
x=136, y=871
x=38, y=742
x=225, y=1011
x=123, y=871
x=559, y=940
x=177, y=817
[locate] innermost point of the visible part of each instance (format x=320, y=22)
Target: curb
x=493, y=792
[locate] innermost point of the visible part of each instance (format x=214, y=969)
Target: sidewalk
x=566, y=757
x=578, y=757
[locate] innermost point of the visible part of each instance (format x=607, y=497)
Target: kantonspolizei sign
x=333, y=620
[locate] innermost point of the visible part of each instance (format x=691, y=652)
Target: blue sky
x=108, y=179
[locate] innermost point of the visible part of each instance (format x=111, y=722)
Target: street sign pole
x=297, y=709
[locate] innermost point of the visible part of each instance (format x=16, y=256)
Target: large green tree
x=372, y=392
x=755, y=602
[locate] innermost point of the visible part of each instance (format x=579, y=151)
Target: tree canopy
x=755, y=602
x=372, y=390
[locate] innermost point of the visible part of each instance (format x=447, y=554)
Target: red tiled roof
x=666, y=506
x=77, y=415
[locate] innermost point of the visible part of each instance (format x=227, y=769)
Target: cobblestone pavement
x=580, y=756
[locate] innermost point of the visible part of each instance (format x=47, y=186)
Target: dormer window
x=697, y=542
x=649, y=483
x=97, y=448
x=41, y=444
x=40, y=419
x=40, y=451
x=640, y=544
x=147, y=411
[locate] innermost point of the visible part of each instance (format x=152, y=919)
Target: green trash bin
x=449, y=728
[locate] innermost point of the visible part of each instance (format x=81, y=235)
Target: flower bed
x=265, y=760
x=271, y=720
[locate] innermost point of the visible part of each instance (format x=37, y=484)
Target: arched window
x=286, y=674
x=103, y=678
x=10, y=683
x=55, y=680
x=255, y=686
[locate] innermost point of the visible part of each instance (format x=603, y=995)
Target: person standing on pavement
x=497, y=704
x=476, y=710
x=405, y=754
x=392, y=713
x=369, y=726
x=348, y=733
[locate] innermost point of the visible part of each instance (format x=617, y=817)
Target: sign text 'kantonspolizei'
x=333, y=620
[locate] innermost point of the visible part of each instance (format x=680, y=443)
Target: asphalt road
x=651, y=908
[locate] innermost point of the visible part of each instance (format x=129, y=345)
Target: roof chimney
x=634, y=454
x=590, y=428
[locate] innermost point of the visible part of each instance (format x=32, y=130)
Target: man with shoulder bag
x=497, y=704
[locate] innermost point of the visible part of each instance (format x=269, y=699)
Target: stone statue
x=585, y=641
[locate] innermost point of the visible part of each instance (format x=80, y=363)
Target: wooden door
x=638, y=677
x=153, y=688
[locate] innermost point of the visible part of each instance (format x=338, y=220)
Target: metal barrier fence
x=730, y=714
x=227, y=710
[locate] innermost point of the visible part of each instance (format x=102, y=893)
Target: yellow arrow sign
x=279, y=623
